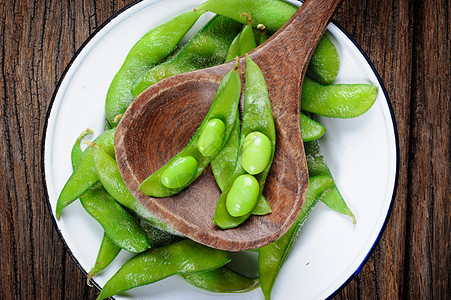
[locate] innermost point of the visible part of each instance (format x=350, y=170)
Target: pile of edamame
x=240, y=150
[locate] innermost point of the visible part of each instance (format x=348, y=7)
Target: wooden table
x=409, y=44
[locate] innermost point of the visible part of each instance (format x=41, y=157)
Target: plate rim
x=121, y=11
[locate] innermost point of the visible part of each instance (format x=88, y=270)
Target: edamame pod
x=151, y=49
x=311, y=130
x=317, y=166
x=223, y=107
x=84, y=175
x=206, y=49
x=257, y=116
x=221, y=280
x=107, y=253
x=108, y=173
x=247, y=38
x=118, y=224
x=337, y=100
x=273, y=14
x=155, y=264
x=272, y=256
x=77, y=152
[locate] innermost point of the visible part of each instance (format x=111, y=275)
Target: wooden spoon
x=160, y=122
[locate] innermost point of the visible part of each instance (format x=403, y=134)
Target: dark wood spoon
x=160, y=122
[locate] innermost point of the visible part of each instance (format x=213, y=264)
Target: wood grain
x=409, y=44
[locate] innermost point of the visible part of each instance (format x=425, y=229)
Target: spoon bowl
x=161, y=121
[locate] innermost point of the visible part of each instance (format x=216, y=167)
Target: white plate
x=361, y=153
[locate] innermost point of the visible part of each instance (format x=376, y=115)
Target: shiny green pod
x=110, y=177
x=272, y=256
x=118, y=224
x=317, y=166
x=84, y=175
x=206, y=49
x=273, y=14
x=156, y=264
x=257, y=116
x=337, y=100
x=212, y=137
x=151, y=49
x=223, y=107
x=243, y=195
x=107, y=253
x=221, y=280
x=311, y=130
x=247, y=37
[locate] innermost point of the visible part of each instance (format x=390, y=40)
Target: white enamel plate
x=361, y=153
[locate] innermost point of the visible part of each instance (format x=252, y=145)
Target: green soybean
x=247, y=37
x=179, y=172
x=206, y=49
x=337, y=100
x=211, y=138
x=156, y=264
x=243, y=195
x=223, y=107
x=256, y=152
x=151, y=49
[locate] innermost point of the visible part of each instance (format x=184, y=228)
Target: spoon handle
x=288, y=52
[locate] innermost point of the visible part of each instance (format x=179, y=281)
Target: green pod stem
x=156, y=264
x=118, y=224
x=77, y=152
x=151, y=49
x=311, y=130
x=273, y=14
x=257, y=116
x=337, y=100
x=317, y=167
x=221, y=280
x=107, y=253
x=223, y=166
x=247, y=37
x=110, y=177
x=223, y=107
x=272, y=256
x=84, y=175
x=207, y=48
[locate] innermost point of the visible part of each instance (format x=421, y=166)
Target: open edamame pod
x=151, y=49
x=206, y=49
x=155, y=264
x=257, y=117
x=84, y=175
x=337, y=100
x=188, y=164
x=273, y=14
